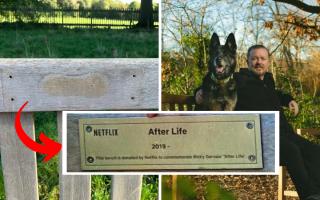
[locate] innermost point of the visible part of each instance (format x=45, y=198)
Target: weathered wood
x=73, y=145
x=126, y=187
x=72, y=187
x=291, y=193
x=174, y=187
x=310, y=131
x=18, y=162
x=268, y=142
x=78, y=84
x=281, y=183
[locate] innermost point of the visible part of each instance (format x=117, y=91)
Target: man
x=256, y=92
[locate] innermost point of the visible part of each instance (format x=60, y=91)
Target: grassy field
x=78, y=43
x=75, y=43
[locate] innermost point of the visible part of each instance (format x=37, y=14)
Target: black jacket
x=258, y=95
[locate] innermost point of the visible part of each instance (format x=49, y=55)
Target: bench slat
x=311, y=131
x=291, y=193
x=75, y=187
x=72, y=187
x=126, y=187
x=18, y=162
x=78, y=84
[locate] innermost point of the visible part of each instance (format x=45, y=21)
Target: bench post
x=72, y=187
x=126, y=187
x=18, y=162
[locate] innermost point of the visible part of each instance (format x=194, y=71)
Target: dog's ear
x=214, y=42
x=231, y=42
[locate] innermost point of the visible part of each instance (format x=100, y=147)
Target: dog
x=218, y=86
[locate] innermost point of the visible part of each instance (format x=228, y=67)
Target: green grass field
x=78, y=43
x=75, y=43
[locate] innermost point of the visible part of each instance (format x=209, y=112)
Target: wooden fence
x=75, y=17
x=68, y=84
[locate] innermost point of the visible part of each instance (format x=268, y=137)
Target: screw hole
x=132, y=98
x=90, y=159
x=249, y=125
x=12, y=99
x=10, y=76
x=133, y=75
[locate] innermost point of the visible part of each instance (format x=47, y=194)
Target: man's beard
x=258, y=70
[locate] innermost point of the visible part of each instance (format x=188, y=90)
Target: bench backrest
x=310, y=131
x=67, y=84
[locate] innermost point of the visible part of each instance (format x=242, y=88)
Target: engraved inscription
x=171, y=142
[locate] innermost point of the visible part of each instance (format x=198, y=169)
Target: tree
x=146, y=15
x=301, y=17
x=134, y=5
x=21, y=7
x=301, y=5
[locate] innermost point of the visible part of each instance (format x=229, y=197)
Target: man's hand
x=294, y=108
x=199, y=97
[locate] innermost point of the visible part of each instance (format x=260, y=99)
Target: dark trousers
x=302, y=159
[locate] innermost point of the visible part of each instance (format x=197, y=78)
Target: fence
x=76, y=17
x=61, y=84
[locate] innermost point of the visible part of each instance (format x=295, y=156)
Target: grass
x=48, y=178
x=78, y=43
x=150, y=187
x=101, y=187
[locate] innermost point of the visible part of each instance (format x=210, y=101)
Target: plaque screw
x=252, y=158
x=90, y=159
x=249, y=125
x=88, y=129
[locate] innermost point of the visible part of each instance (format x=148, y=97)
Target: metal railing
x=93, y=18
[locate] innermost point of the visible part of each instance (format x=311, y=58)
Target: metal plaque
x=171, y=143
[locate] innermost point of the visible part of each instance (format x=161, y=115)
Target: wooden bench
x=68, y=84
x=283, y=174
x=177, y=102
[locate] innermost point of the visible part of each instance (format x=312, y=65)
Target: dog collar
x=220, y=81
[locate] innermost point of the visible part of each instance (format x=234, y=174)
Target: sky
x=223, y=17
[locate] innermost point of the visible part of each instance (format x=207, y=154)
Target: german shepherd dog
x=218, y=86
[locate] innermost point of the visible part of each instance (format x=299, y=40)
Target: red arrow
x=48, y=146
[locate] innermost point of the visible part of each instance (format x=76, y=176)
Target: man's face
x=258, y=62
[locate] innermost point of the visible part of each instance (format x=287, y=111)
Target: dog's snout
x=219, y=61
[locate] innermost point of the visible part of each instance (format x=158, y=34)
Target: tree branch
x=301, y=5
